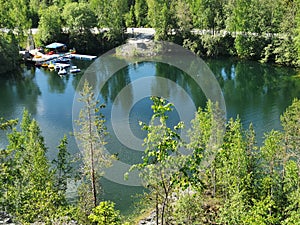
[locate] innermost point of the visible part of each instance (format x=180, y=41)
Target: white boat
x=62, y=71
x=61, y=65
x=69, y=55
x=74, y=69
x=57, y=67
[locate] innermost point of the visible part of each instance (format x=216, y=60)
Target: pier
x=40, y=57
x=83, y=57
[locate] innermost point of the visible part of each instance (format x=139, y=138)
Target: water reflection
x=129, y=90
x=18, y=93
x=183, y=80
x=56, y=83
x=258, y=93
x=114, y=85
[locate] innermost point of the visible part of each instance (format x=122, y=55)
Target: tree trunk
x=93, y=179
x=94, y=185
x=156, y=209
x=214, y=181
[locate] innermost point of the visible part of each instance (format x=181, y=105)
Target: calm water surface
x=257, y=93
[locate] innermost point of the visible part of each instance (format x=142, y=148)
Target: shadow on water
x=257, y=93
x=18, y=93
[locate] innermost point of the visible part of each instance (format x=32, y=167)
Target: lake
x=257, y=93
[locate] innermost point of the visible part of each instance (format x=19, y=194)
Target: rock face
x=5, y=219
x=150, y=220
x=136, y=47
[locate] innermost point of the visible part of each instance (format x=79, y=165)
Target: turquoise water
x=257, y=93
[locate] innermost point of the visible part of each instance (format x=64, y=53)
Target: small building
x=57, y=47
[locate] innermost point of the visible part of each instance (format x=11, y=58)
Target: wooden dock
x=44, y=57
x=84, y=57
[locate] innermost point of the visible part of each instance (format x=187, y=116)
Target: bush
x=105, y=214
x=250, y=46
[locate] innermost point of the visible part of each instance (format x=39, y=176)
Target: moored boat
x=62, y=72
x=44, y=65
x=62, y=60
x=61, y=65
x=74, y=69
x=38, y=64
x=51, y=66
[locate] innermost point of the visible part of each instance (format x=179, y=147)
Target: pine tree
x=63, y=167
x=232, y=176
x=91, y=135
x=30, y=193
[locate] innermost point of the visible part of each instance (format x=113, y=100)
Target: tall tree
x=161, y=170
x=63, y=167
x=9, y=53
x=92, y=139
x=14, y=16
x=184, y=19
x=273, y=157
x=79, y=22
x=208, y=14
x=205, y=138
x=232, y=174
x=161, y=16
x=130, y=20
x=140, y=12
x=110, y=15
x=30, y=193
x=290, y=122
x=50, y=25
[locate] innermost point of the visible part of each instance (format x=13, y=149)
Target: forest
x=227, y=178
x=262, y=30
x=243, y=183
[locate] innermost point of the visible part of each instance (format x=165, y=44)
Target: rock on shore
x=5, y=219
x=150, y=220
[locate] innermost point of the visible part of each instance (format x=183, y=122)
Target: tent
x=55, y=45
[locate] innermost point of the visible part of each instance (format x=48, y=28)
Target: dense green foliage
x=226, y=179
x=9, y=53
x=253, y=29
x=159, y=169
x=27, y=180
x=243, y=184
x=105, y=213
x=33, y=189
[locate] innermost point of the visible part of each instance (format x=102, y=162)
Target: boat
x=56, y=67
x=74, y=69
x=61, y=65
x=62, y=60
x=38, y=64
x=51, y=66
x=45, y=65
x=72, y=51
x=69, y=56
x=51, y=53
x=62, y=71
